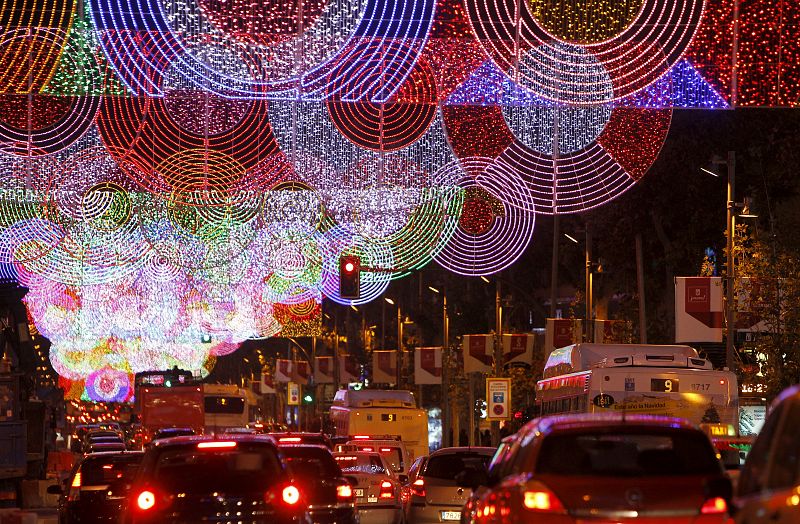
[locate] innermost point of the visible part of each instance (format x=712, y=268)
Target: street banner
x=561, y=332
x=323, y=370
x=698, y=309
x=301, y=372
x=283, y=370
x=610, y=331
x=292, y=394
x=498, y=398
x=518, y=349
x=349, y=369
x=384, y=367
x=477, y=351
x=267, y=384
x=428, y=365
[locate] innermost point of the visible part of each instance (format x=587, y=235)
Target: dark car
x=173, y=432
x=329, y=495
x=96, y=488
x=587, y=468
x=202, y=479
x=297, y=437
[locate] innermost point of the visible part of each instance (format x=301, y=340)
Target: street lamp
x=730, y=267
x=445, y=363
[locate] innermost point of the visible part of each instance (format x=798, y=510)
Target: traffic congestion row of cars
x=570, y=469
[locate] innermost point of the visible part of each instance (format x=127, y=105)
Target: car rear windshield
x=245, y=468
x=627, y=453
x=369, y=464
x=449, y=465
x=99, y=471
x=392, y=454
x=309, y=462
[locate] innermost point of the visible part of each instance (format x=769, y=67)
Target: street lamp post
x=445, y=363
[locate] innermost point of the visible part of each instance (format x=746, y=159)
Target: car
x=205, y=479
x=435, y=495
x=328, y=495
x=173, y=432
x=495, y=471
x=378, y=493
x=299, y=437
x=95, y=490
x=600, y=468
x=767, y=490
x=392, y=449
x=103, y=444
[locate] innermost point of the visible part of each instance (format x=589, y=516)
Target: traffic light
x=349, y=276
x=308, y=398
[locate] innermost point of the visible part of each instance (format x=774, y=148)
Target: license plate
x=359, y=492
x=372, y=499
x=451, y=515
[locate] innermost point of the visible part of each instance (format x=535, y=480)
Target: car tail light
x=225, y=444
x=145, y=500
x=290, y=495
x=76, y=481
x=289, y=439
x=344, y=493
x=387, y=490
x=714, y=506
x=418, y=487
x=537, y=497
x=361, y=437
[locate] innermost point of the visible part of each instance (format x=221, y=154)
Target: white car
x=377, y=491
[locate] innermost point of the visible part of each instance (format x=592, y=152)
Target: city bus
x=225, y=407
x=670, y=380
x=381, y=413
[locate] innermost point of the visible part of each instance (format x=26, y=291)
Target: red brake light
x=290, y=495
x=367, y=449
x=386, y=450
x=289, y=439
x=344, y=493
x=361, y=437
x=146, y=500
x=542, y=500
x=418, y=487
x=227, y=444
x=713, y=506
x=387, y=490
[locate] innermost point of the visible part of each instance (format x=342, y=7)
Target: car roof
x=196, y=439
x=576, y=421
x=476, y=450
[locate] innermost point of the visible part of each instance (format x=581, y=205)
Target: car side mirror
x=55, y=489
x=472, y=478
x=402, y=478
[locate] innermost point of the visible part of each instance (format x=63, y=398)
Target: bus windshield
x=223, y=404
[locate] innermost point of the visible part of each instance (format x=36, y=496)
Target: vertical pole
x=383, y=324
x=588, y=328
x=472, y=424
x=640, y=284
x=399, y=344
x=554, y=268
x=445, y=375
x=498, y=351
x=336, y=370
x=730, y=268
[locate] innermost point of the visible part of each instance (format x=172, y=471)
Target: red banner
x=283, y=370
x=428, y=365
x=518, y=349
x=323, y=370
x=384, y=367
x=301, y=372
x=698, y=309
x=477, y=351
x=562, y=332
x=349, y=369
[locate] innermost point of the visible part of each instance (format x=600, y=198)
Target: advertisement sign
x=323, y=370
x=477, y=351
x=698, y=309
x=518, y=348
x=293, y=394
x=498, y=398
x=561, y=332
x=283, y=370
x=384, y=367
x=428, y=365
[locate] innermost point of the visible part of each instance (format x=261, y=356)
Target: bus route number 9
x=664, y=385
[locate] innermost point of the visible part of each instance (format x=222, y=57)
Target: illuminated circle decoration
x=495, y=228
x=108, y=385
x=635, y=57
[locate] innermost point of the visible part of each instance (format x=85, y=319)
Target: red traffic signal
x=350, y=276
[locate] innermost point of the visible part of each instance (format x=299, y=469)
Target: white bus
x=646, y=379
x=378, y=412
x=225, y=407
